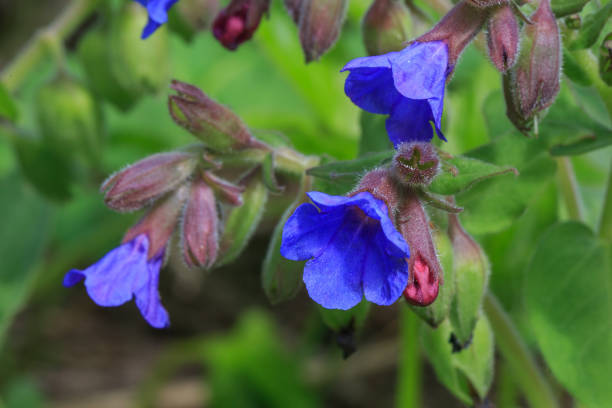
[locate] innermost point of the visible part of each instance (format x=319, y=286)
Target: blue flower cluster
x=351, y=244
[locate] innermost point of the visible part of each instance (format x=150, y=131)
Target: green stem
x=516, y=354
x=409, y=371
x=37, y=48
x=605, y=223
x=570, y=189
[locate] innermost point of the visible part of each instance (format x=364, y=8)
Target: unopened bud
x=294, y=7
x=143, y=182
x=457, y=28
x=487, y=3
x=416, y=163
x=226, y=191
x=435, y=313
x=217, y=126
x=200, y=227
x=471, y=280
x=386, y=26
x=320, y=25
x=190, y=16
x=605, y=59
x=425, y=273
x=139, y=66
x=160, y=221
x=533, y=83
x=238, y=22
x=503, y=38
x=69, y=118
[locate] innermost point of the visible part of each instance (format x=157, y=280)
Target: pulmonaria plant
x=158, y=14
x=352, y=247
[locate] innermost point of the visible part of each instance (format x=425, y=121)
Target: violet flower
x=158, y=14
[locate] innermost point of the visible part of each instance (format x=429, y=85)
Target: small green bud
x=471, y=279
x=435, y=313
x=605, y=59
x=69, y=118
x=94, y=55
x=386, y=26
x=416, y=163
x=139, y=66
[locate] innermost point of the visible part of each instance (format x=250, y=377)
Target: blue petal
x=419, y=72
x=307, y=232
x=150, y=28
x=113, y=279
x=158, y=9
x=333, y=279
x=385, y=276
x=142, y=2
x=410, y=122
x=378, y=61
x=148, y=299
x=372, y=89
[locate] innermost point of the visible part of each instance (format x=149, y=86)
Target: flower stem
x=407, y=394
x=516, y=354
x=570, y=189
x=38, y=46
x=605, y=223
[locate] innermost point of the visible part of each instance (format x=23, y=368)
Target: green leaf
x=573, y=70
x=8, y=109
x=374, y=136
x=563, y=8
x=24, y=219
x=439, y=352
x=461, y=173
x=493, y=205
x=591, y=28
x=345, y=174
x=569, y=301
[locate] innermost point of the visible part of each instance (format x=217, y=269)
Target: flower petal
x=419, y=71
x=377, y=61
x=307, y=232
x=384, y=277
x=148, y=299
x=149, y=28
x=410, y=122
x=158, y=9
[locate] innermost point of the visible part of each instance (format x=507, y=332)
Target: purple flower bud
x=386, y=26
x=319, y=26
x=503, y=38
x=123, y=273
x=237, y=22
x=456, y=29
x=158, y=14
x=217, y=126
x=424, y=267
x=196, y=15
x=160, y=222
x=605, y=59
x=226, y=191
x=416, y=164
x=145, y=181
x=294, y=7
x=200, y=228
x=533, y=83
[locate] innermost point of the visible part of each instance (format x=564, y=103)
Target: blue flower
x=407, y=85
x=352, y=248
x=158, y=14
x=123, y=273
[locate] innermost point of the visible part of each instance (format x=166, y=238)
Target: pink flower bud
x=425, y=271
x=416, y=163
x=503, y=38
x=159, y=222
x=145, y=181
x=386, y=27
x=457, y=28
x=320, y=24
x=217, y=126
x=533, y=83
x=226, y=191
x=200, y=228
x=238, y=22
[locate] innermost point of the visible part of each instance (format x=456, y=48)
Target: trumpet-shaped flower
x=352, y=247
x=158, y=14
x=124, y=273
x=407, y=85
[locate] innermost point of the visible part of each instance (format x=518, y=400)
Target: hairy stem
x=516, y=354
x=38, y=46
x=407, y=394
x=569, y=189
x=605, y=223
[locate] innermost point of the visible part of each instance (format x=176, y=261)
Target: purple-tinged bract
x=123, y=273
x=158, y=14
x=407, y=85
x=352, y=247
